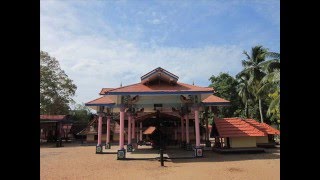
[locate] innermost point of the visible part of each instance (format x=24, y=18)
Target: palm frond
x=274, y=104
x=273, y=55
x=273, y=77
x=258, y=54
x=247, y=55
x=274, y=66
x=246, y=63
x=265, y=89
x=255, y=51
x=243, y=91
x=245, y=74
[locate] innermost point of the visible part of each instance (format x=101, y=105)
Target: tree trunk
x=247, y=112
x=260, y=108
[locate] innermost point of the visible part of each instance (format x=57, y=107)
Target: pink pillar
x=187, y=128
x=121, y=139
x=108, y=130
x=99, y=129
x=140, y=131
x=129, y=129
x=137, y=133
x=182, y=129
x=133, y=128
x=196, y=121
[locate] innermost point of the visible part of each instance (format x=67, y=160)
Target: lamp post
x=161, y=148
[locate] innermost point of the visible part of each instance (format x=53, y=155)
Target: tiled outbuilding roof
x=262, y=127
x=236, y=127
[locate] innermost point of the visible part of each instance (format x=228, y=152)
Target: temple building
x=158, y=100
x=54, y=127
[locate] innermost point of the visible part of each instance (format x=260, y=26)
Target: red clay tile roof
x=104, y=90
x=149, y=130
x=104, y=100
x=214, y=99
x=52, y=117
x=236, y=127
x=262, y=127
x=140, y=87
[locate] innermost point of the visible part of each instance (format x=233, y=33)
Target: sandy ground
x=81, y=162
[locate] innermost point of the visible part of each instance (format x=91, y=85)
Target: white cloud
x=154, y=21
x=97, y=60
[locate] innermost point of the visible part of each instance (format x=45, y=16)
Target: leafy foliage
x=226, y=87
x=255, y=93
x=270, y=85
x=56, y=88
x=81, y=114
x=253, y=68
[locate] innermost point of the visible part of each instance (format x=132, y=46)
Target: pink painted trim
x=140, y=131
x=108, y=130
x=187, y=128
x=133, y=127
x=196, y=118
x=129, y=129
x=121, y=139
x=99, y=129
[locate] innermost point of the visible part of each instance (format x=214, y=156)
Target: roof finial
x=121, y=84
x=193, y=82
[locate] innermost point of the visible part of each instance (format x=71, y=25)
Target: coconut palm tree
x=270, y=84
x=253, y=67
x=244, y=93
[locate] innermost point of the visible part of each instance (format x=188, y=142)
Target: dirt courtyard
x=81, y=162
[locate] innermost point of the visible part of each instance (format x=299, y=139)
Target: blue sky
x=102, y=43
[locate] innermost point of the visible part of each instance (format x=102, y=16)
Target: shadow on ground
x=177, y=155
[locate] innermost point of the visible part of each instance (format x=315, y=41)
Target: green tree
x=253, y=67
x=270, y=84
x=244, y=93
x=56, y=88
x=226, y=87
x=81, y=114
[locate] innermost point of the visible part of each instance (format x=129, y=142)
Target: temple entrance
x=161, y=130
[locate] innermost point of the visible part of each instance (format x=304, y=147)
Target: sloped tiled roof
x=212, y=99
x=149, y=130
x=262, y=127
x=104, y=90
x=100, y=101
x=142, y=88
x=52, y=117
x=236, y=127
